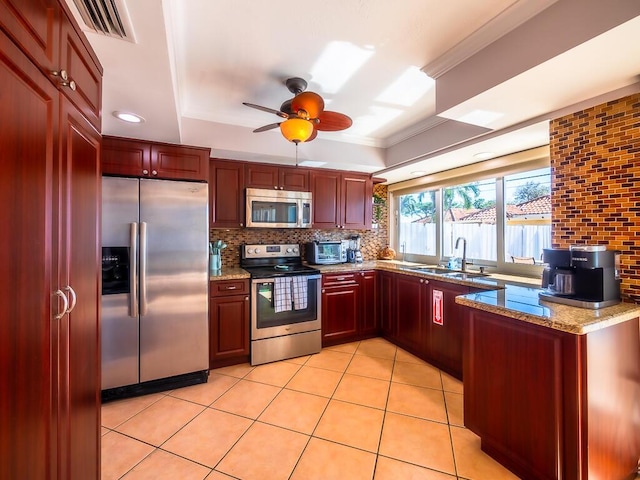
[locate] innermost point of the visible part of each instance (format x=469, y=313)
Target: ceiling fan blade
x=332, y=121
x=271, y=126
x=266, y=109
x=310, y=102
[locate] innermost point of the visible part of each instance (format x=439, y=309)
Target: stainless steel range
x=285, y=303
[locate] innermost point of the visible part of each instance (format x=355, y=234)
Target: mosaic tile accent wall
x=373, y=240
x=595, y=163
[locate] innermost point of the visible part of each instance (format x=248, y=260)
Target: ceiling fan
x=304, y=115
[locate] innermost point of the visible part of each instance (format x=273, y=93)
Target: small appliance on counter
x=354, y=255
x=328, y=252
x=583, y=276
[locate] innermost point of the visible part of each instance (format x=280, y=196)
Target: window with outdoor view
x=469, y=211
x=417, y=227
x=527, y=209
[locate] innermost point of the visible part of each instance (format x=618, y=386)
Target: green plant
x=378, y=202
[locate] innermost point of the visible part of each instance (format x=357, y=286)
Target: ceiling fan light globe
x=296, y=130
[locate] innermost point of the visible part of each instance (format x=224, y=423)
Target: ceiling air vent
x=103, y=17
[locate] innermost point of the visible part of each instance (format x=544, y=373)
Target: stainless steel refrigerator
x=155, y=239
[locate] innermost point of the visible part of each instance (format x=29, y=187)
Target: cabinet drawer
x=228, y=287
x=338, y=279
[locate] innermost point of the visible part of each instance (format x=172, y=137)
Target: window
x=417, y=229
x=506, y=221
x=527, y=208
x=469, y=211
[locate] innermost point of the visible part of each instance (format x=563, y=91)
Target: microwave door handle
x=300, y=209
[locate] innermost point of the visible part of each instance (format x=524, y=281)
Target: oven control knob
x=257, y=250
x=295, y=250
x=289, y=250
x=249, y=251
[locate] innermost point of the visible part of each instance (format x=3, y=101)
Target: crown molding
x=503, y=23
x=413, y=130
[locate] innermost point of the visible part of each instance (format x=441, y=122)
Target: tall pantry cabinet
x=50, y=99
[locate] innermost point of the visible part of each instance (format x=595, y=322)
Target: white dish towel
x=300, y=292
x=282, y=294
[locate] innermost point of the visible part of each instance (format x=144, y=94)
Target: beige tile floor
x=363, y=410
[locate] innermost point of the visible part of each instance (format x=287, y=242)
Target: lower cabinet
x=229, y=329
x=421, y=316
x=446, y=320
x=412, y=306
x=550, y=404
x=349, y=310
x=340, y=308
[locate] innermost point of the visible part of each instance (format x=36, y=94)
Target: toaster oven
x=327, y=252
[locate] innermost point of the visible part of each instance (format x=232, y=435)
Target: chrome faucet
x=464, y=252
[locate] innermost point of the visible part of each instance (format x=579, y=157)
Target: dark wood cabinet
x=550, y=404
x=139, y=158
x=446, y=325
x=226, y=194
x=228, y=322
x=387, y=304
x=45, y=32
x=341, y=200
x=50, y=183
x=340, y=308
x=259, y=175
x=412, y=307
x=369, y=320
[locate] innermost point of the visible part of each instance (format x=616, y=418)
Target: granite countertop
x=523, y=303
x=229, y=273
x=507, y=295
x=510, y=296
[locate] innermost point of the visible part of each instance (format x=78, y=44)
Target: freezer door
x=174, y=240
x=119, y=324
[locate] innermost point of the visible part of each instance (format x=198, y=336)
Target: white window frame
x=496, y=168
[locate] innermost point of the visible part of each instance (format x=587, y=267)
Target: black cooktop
x=280, y=270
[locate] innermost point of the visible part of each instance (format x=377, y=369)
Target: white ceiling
x=191, y=63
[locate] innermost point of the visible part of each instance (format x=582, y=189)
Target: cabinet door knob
x=323, y=290
x=242, y=225
x=65, y=304
x=74, y=298
x=145, y=172
x=276, y=187
x=422, y=280
x=246, y=299
x=154, y=172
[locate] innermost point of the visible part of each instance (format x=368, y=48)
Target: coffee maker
x=582, y=276
x=354, y=255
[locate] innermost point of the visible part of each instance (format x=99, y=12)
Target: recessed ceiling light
x=484, y=155
x=418, y=173
x=128, y=117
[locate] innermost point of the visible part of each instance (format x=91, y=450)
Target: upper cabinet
x=277, y=178
x=341, y=200
x=226, y=194
x=138, y=158
x=44, y=31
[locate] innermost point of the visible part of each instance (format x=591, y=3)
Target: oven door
x=267, y=323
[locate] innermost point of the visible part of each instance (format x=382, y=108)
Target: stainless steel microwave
x=278, y=208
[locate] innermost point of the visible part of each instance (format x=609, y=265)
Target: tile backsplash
x=372, y=242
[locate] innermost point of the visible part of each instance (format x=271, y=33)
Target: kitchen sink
x=445, y=272
x=465, y=275
x=434, y=270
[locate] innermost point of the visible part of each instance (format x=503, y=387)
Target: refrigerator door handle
x=133, y=270
x=143, y=268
